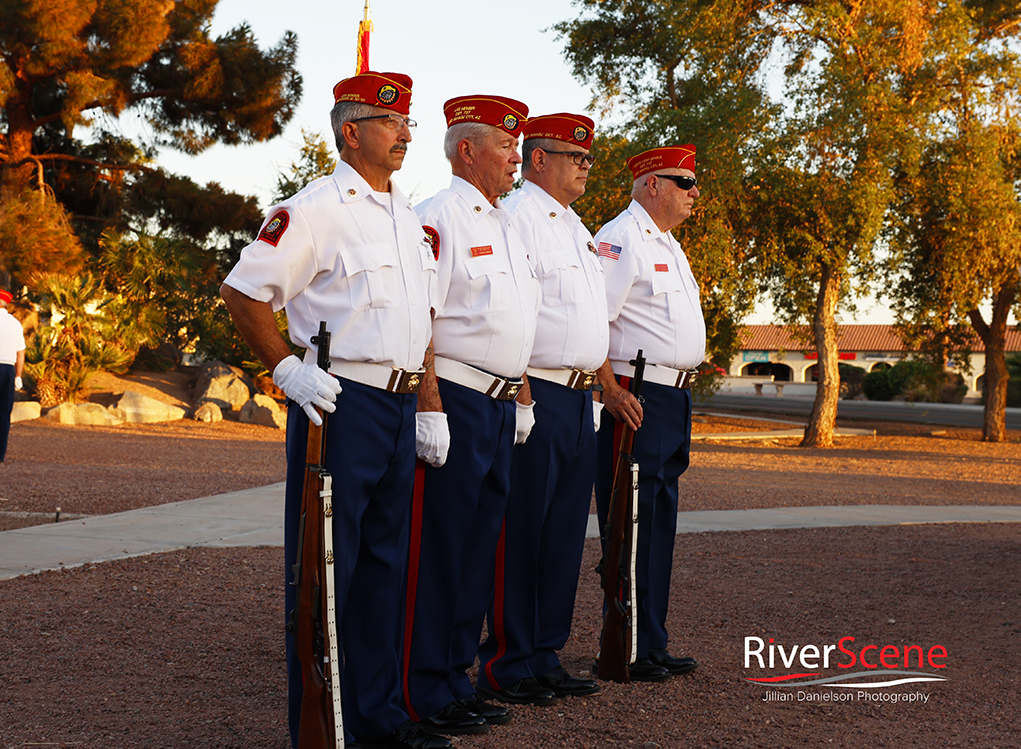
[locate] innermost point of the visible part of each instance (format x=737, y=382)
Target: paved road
x=946, y=414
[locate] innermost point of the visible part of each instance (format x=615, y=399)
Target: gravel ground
x=185, y=649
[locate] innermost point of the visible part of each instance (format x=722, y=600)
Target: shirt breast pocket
x=490, y=284
x=563, y=278
x=373, y=276
x=666, y=286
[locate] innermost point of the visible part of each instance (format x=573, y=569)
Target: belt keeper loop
x=395, y=380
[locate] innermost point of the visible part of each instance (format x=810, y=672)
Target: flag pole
x=364, y=29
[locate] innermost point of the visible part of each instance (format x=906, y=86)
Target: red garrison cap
x=571, y=128
x=507, y=114
x=668, y=157
x=6, y=296
x=388, y=90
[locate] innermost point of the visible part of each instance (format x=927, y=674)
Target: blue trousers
x=6, y=405
x=662, y=446
x=456, y=522
x=539, y=556
x=370, y=452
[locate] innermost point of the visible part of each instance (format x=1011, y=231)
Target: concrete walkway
x=254, y=517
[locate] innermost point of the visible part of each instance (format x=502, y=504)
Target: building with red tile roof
x=788, y=353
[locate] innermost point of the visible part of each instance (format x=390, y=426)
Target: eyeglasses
x=577, y=157
x=391, y=121
x=685, y=183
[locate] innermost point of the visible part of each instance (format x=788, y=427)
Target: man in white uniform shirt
x=653, y=304
x=483, y=329
x=349, y=250
x=12, y=364
x=539, y=559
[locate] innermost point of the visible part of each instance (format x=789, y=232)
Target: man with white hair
x=653, y=305
x=12, y=364
x=483, y=329
x=349, y=250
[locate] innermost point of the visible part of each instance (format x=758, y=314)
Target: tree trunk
x=994, y=338
x=821, y=422
x=19, y=171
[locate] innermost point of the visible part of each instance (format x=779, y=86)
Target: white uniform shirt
x=12, y=338
x=350, y=256
x=572, y=331
x=487, y=295
x=651, y=294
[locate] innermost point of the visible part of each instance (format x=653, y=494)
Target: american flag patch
x=611, y=251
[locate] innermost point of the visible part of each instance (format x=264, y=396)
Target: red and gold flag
x=364, y=29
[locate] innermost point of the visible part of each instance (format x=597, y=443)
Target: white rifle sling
x=332, y=643
x=632, y=606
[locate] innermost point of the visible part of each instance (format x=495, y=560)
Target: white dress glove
x=308, y=386
x=524, y=420
x=18, y=384
x=432, y=437
x=597, y=408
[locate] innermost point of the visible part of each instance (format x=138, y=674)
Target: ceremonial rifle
x=619, y=640
x=314, y=621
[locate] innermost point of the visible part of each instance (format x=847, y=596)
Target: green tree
x=315, y=160
x=680, y=73
x=957, y=242
x=82, y=338
x=801, y=191
x=64, y=61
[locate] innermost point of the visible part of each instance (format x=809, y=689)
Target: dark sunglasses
x=577, y=157
x=685, y=183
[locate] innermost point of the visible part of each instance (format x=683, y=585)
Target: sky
x=448, y=47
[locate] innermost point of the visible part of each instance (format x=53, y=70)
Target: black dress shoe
x=644, y=669
x=494, y=715
x=454, y=720
x=676, y=666
x=563, y=684
x=523, y=692
x=408, y=735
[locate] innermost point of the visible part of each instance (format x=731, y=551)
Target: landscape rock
x=208, y=412
x=226, y=386
x=141, y=409
x=265, y=411
x=25, y=411
x=85, y=414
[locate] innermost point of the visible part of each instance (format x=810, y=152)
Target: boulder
x=141, y=409
x=208, y=412
x=85, y=414
x=25, y=410
x=265, y=411
x=228, y=387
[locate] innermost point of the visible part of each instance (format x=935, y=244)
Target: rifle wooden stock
x=321, y=725
x=617, y=567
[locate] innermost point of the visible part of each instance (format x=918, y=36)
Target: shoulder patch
x=275, y=228
x=433, y=237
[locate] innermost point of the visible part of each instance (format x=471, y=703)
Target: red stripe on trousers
x=414, y=553
x=498, y=603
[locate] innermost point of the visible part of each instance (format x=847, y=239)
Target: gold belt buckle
x=503, y=390
x=405, y=381
x=581, y=379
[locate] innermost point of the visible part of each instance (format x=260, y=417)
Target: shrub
x=915, y=380
x=852, y=379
